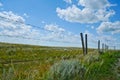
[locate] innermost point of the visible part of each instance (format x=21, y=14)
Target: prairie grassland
x=26, y=62
x=25, y=59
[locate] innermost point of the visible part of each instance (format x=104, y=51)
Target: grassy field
x=27, y=62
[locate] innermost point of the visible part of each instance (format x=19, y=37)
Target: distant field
x=16, y=52
x=27, y=57
x=18, y=62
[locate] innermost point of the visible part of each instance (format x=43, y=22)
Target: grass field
x=27, y=62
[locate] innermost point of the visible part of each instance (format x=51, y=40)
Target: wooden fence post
x=86, y=45
x=82, y=40
x=103, y=46
x=98, y=46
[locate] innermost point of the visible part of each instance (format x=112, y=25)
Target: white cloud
x=74, y=14
x=104, y=15
x=54, y=28
x=113, y=27
x=93, y=39
x=92, y=12
x=68, y=1
x=56, y=33
x=94, y=4
x=10, y=16
x=13, y=25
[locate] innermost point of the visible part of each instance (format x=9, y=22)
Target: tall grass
x=49, y=63
x=66, y=70
x=103, y=69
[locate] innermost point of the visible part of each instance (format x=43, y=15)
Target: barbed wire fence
x=102, y=47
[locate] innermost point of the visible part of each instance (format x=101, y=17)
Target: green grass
x=104, y=68
x=27, y=58
x=25, y=52
x=27, y=62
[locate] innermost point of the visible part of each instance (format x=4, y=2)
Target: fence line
x=86, y=45
x=82, y=40
x=104, y=48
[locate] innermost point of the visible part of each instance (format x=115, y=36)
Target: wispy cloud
x=112, y=27
x=93, y=39
x=13, y=25
x=54, y=28
x=10, y=16
x=93, y=11
x=56, y=33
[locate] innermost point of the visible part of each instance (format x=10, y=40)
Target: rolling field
x=27, y=62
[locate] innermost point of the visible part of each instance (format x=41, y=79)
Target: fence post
x=98, y=46
x=82, y=40
x=86, y=45
x=103, y=46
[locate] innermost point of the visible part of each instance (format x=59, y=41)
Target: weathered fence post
x=82, y=40
x=86, y=51
x=103, y=47
x=98, y=46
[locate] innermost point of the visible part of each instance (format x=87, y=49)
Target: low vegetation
x=26, y=62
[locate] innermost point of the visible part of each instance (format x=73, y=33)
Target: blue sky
x=60, y=22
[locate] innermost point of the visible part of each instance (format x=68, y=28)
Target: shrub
x=66, y=70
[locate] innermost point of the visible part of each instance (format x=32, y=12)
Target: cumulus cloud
x=74, y=14
x=13, y=25
x=93, y=11
x=113, y=27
